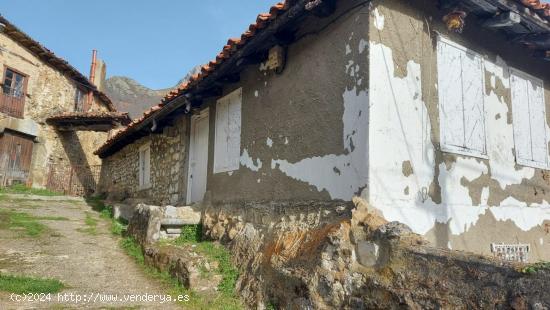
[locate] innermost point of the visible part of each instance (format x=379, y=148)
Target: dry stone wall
x=320, y=256
x=120, y=173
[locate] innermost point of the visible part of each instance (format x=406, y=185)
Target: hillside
x=130, y=96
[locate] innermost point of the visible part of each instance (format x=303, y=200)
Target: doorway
x=198, y=157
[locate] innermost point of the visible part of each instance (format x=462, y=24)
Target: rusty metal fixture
x=455, y=20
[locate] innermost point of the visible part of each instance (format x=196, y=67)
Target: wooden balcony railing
x=12, y=103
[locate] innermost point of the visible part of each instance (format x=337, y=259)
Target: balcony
x=12, y=102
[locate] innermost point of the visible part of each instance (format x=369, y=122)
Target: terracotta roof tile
x=233, y=44
x=92, y=115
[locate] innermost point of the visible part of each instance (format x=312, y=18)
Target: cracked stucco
x=446, y=196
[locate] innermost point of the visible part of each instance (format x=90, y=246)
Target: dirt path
x=88, y=263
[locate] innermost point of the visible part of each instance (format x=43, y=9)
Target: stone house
x=52, y=117
x=435, y=112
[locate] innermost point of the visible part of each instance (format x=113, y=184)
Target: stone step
x=176, y=222
x=176, y=231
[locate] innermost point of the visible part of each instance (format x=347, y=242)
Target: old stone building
x=435, y=112
x=52, y=117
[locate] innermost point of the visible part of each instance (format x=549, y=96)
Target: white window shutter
x=141, y=167
x=538, y=122
x=461, y=100
x=147, y=170
x=234, y=141
x=227, y=147
x=521, y=122
x=472, y=94
x=529, y=114
x=220, y=147
x=450, y=94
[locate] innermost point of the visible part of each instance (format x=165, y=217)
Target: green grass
x=534, y=268
x=118, y=226
x=22, y=189
x=91, y=225
x=10, y=219
x=192, y=234
x=225, y=299
x=22, y=285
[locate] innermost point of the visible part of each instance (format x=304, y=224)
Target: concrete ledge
x=177, y=222
x=26, y=126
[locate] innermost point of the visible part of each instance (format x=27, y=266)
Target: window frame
x=453, y=148
x=519, y=160
x=230, y=166
x=82, y=102
x=141, y=173
x=25, y=81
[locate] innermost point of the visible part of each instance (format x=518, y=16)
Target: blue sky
x=154, y=42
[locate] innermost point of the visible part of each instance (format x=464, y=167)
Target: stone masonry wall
x=320, y=255
x=49, y=92
x=120, y=172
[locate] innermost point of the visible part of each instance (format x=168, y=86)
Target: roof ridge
x=52, y=59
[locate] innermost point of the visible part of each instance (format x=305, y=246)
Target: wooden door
x=15, y=157
x=198, y=157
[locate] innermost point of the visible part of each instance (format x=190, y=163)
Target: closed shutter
x=460, y=89
x=145, y=166
x=472, y=93
x=234, y=139
x=529, y=121
x=227, y=145
x=147, y=170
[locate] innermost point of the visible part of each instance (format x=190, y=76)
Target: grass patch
x=192, y=235
x=118, y=226
x=225, y=299
x=23, y=189
x=91, y=223
x=189, y=234
x=22, y=285
x=10, y=219
x=534, y=268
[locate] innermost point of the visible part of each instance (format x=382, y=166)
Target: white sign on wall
x=511, y=252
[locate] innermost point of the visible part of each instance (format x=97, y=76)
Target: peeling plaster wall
x=49, y=92
x=457, y=201
x=304, y=131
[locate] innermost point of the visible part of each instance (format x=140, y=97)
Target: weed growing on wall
x=536, y=267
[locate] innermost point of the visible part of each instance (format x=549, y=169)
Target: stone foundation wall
x=120, y=172
x=319, y=256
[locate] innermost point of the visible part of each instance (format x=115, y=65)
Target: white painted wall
x=400, y=131
x=342, y=175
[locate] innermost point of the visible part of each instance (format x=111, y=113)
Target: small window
x=227, y=146
x=145, y=166
x=79, y=100
x=529, y=115
x=461, y=110
x=13, y=84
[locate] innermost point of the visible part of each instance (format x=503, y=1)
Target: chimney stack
x=98, y=71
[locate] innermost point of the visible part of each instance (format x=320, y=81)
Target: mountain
x=130, y=96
